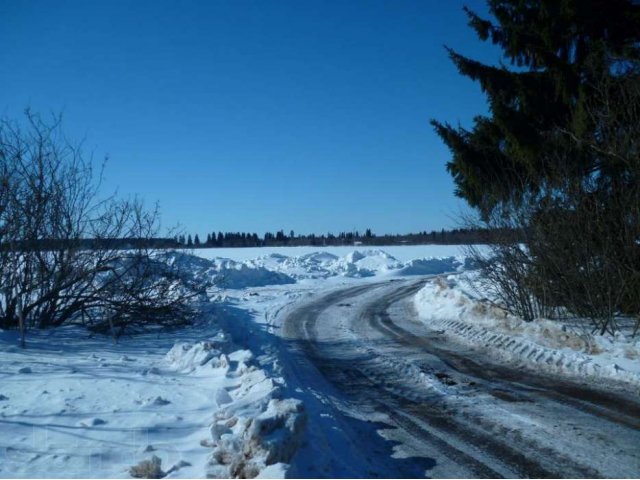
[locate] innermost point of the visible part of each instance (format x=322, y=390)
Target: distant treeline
x=459, y=236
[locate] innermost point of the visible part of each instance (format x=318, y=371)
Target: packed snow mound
x=186, y=357
x=452, y=308
x=432, y=266
x=355, y=264
x=320, y=258
x=225, y=273
x=242, y=276
x=253, y=428
x=367, y=263
x=184, y=261
x=246, y=446
x=311, y=265
x=278, y=269
x=317, y=262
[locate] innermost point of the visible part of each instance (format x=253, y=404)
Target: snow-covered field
x=212, y=399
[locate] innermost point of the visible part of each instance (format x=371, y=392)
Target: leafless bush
x=506, y=266
x=61, y=246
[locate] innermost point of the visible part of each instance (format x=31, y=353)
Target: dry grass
x=148, y=469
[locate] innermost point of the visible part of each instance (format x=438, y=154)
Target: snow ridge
x=252, y=428
x=451, y=310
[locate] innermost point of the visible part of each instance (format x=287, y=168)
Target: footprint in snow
x=159, y=401
x=3, y=398
x=25, y=370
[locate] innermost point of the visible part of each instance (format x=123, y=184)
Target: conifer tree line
x=458, y=236
x=557, y=158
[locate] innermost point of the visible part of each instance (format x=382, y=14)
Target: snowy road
x=387, y=396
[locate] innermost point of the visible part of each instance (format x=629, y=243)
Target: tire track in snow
x=436, y=432
x=587, y=400
x=467, y=439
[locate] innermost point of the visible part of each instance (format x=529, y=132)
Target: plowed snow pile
x=355, y=264
x=452, y=307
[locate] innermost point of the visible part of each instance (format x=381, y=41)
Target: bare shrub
x=66, y=254
x=506, y=267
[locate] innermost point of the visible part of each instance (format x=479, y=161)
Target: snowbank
x=552, y=346
x=226, y=273
x=431, y=266
x=252, y=428
x=403, y=253
x=279, y=269
x=354, y=264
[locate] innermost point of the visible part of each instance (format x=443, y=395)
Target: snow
x=403, y=253
x=354, y=264
x=88, y=408
x=454, y=307
x=215, y=399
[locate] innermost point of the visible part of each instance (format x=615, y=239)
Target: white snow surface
x=208, y=400
x=212, y=399
x=402, y=253
x=277, y=268
x=88, y=408
x=453, y=306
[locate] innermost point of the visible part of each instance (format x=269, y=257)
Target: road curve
x=408, y=402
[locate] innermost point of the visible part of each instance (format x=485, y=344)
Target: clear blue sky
x=255, y=115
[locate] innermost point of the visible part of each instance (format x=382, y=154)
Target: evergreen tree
x=196, y=240
x=558, y=48
x=189, y=241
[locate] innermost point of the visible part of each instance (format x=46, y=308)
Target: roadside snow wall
x=253, y=430
x=541, y=345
